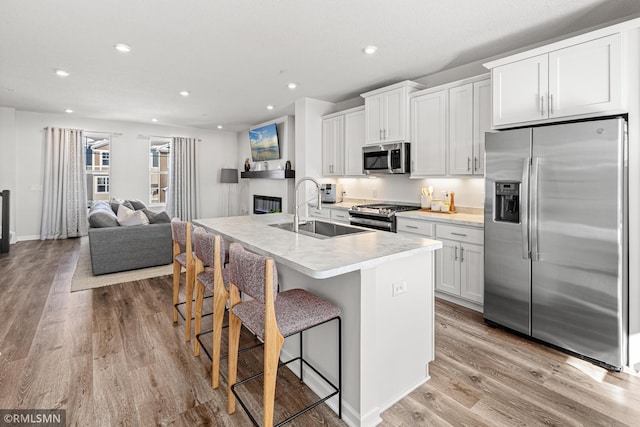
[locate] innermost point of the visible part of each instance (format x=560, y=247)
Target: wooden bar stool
x=209, y=252
x=182, y=257
x=272, y=316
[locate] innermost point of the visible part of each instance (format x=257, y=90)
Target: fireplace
x=266, y=204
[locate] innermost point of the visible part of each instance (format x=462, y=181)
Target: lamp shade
x=229, y=176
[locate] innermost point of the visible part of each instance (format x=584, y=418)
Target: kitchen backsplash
x=468, y=191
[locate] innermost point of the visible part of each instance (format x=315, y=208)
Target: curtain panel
x=182, y=199
x=64, y=205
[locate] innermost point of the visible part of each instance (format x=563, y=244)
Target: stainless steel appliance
x=386, y=158
x=556, y=236
x=331, y=193
x=379, y=216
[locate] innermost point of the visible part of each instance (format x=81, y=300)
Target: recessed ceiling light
x=184, y=93
x=292, y=85
x=68, y=110
x=62, y=73
x=219, y=126
x=154, y=120
x=121, y=47
x=370, y=50
x=270, y=107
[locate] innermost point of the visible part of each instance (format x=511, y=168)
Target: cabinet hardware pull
x=459, y=234
x=455, y=256
x=461, y=254
x=542, y=105
x=411, y=226
x=475, y=160
x=551, y=104
x=380, y=134
x=468, y=163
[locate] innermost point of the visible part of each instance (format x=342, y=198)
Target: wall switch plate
x=399, y=288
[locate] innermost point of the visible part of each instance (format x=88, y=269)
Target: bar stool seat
x=296, y=310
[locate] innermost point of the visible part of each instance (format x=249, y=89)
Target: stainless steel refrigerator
x=556, y=236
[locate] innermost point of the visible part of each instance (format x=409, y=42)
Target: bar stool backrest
x=179, y=233
x=204, y=245
x=248, y=272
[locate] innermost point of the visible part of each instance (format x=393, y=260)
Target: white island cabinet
x=383, y=284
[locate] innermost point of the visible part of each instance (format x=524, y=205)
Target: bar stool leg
x=176, y=289
x=198, y=317
x=188, y=302
x=219, y=300
x=273, y=341
x=234, y=342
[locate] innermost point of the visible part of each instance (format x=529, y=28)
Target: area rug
x=84, y=279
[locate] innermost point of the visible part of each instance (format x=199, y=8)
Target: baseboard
x=456, y=300
x=26, y=238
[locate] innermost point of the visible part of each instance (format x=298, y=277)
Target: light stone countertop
x=316, y=258
x=473, y=220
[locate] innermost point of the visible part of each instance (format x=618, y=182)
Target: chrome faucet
x=296, y=218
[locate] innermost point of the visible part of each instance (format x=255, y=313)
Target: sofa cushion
x=115, y=204
x=99, y=218
x=128, y=217
x=156, y=217
x=137, y=204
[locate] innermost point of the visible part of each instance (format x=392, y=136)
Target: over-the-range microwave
x=386, y=158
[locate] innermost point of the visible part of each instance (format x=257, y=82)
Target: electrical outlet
x=399, y=288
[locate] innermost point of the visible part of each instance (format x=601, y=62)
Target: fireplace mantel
x=269, y=174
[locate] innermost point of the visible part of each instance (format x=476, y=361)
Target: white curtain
x=182, y=199
x=64, y=206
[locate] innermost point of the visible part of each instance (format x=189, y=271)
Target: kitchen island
x=382, y=282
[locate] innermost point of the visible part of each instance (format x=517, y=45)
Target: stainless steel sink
x=321, y=229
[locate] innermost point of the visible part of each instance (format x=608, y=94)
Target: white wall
x=129, y=162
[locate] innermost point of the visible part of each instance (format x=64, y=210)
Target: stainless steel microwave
x=386, y=158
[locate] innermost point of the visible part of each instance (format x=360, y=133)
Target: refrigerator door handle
x=535, y=166
x=524, y=207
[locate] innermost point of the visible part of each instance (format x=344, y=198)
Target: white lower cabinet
x=339, y=215
x=460, y=262
x=320, y=213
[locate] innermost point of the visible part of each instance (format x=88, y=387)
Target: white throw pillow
x=127, y=217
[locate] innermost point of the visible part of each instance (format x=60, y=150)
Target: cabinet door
x=354, y=126
x=472, y=272
x=481, y=122
x=394, y=116
x=520, y=91
x=461, y=130
x=319, y=213
x=585, y=78
x=373, y=107
x=429, y=134
x=340, y=216
x=448, y=268
x=332, y=146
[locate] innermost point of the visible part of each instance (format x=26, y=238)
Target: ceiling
x=236, y=57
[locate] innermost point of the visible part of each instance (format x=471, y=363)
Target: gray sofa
x=118, y=248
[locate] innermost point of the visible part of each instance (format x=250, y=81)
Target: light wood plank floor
x=112, y=356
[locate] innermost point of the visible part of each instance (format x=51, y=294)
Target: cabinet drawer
x=415, y=226
x=339, y=215
x=320, y=213
x=461, y=234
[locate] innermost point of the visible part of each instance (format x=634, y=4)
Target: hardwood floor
x=112, y=356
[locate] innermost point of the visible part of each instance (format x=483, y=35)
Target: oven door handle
x=371, y=222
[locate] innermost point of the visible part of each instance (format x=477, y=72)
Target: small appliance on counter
x=331, y=193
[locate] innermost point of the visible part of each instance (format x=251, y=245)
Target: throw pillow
x=137, y=204
x=115, y=204
x=102, y=218
x=128, y=217
x=156, y=217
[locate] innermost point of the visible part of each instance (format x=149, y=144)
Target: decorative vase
x=247, y=165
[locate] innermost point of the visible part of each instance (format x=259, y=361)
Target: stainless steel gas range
x=379, y=216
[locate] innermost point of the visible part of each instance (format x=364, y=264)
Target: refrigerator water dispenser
x=507, y=205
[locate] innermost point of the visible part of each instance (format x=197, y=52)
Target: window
x=101, y=184
x=97, y=150
x=159, y=151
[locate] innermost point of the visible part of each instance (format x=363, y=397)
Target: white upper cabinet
x=386, y=113
x=354, y=131
x=429, y=134
x=577, y=80
x=333, y=146
x=461, y=130
x=342, y=141
x=447, y=128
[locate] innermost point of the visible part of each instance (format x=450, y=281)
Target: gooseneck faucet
x=296, y=218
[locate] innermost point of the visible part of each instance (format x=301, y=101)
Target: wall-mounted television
x=264, y=143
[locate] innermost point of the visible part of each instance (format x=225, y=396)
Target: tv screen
x=264, y=143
